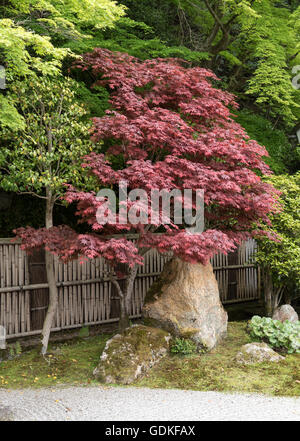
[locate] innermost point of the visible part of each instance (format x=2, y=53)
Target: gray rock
x=128, y=356
x=252, y=353
x=185, y=301
x=285, y=312
x=5, y=355
x=6, y=414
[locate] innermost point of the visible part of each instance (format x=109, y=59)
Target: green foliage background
x=252, y=49
x=282, y=259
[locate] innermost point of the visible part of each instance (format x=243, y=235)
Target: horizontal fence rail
x=86, y=295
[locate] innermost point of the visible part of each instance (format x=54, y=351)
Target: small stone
x=4, y=355
x=252, y=353
x=285, y=312
x=130, y=355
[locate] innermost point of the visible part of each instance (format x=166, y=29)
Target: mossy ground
x=69, y=363
x=218, y=371
x=73, y=364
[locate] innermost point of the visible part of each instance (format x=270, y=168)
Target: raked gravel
x=140, y=404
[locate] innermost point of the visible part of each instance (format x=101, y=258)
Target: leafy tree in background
x=137, y=39
x=169, y=128
x=45, y=154
x=280, y=261
x=282, y=157
x=275, y=43
x=32, y=33
x=251, y=44
x=17, y=47
x=62, y=19
x=32, y=36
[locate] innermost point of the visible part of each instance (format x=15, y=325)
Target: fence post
x=2, y=337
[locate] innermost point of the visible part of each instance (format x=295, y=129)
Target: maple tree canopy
x=169, y=128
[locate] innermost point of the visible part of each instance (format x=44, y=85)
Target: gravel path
x=136, y=404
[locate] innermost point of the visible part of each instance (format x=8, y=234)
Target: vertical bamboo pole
x=2, y=284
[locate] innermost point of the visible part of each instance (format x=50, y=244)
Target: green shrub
x=283, y=336
x=14, y=350
x=183, y=346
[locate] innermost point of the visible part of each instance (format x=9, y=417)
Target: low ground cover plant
x=183, y=346
x=281, y=336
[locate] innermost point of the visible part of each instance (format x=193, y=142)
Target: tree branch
x=116, y=284
x=215, y=16
x=32, y=193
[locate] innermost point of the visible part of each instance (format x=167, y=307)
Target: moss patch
x=188, y=332
x=69, y=363
x=73, y=364
x=129, y=355
x=218, y=370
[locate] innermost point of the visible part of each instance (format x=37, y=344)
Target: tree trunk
x=124, y=321
x=268, y=292
x=53, y=293
x=209, y=41
x=125, y=300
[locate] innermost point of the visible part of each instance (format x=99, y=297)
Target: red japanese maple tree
x=169, y=128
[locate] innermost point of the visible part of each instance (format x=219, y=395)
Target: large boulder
x=129, y=355
x=252, y=353
x=185, y=301
x=285, y=312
